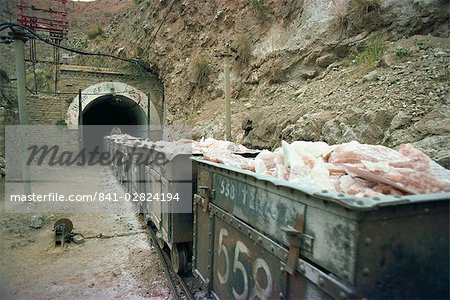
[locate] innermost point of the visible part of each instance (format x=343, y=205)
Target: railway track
x=177, y=285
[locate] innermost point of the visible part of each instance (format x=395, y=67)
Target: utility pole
x=80, y=122
x=227, y=99
x=148, y=115
x=19, y=45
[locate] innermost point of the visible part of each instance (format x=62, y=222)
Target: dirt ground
x=120, y=267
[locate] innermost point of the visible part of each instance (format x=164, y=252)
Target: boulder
x=326, y=60
x=371, y=76
x=437, y=148
x=36, y=222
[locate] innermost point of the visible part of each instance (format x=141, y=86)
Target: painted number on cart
x=227, y=189
x=240, y=250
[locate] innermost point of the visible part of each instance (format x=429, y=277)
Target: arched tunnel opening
x=109, y=112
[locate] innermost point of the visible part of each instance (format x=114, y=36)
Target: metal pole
x=80, y=121
x=56, y=61
x=148, y=115
x=227, y=100
x=19, y=45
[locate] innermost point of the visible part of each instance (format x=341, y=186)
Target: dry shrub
x=371, y=53
x=244, y=49
x=340, y=17
x=403, y=52
x=94, y=33
x=277, y=75
x=259, y=6
x=200, y=71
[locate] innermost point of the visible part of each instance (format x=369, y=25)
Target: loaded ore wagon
x=256, y=235
x=305, y=221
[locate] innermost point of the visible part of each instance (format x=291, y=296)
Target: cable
x=162, y=22
x=12, y=27
x=69, y=93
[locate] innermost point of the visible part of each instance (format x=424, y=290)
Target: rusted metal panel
x=335, y=233
x=404, y=253
x=334, y=243
x=258, y=206
x=179, y=168
x=242, y=269
x=147, y=186
x=245, y=268
x=173, y=219
x=182, y=229
x=329, y=230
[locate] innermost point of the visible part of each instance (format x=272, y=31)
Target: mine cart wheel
x=141, y=208
x=161, y=242
x=179, y=257
x=66, y=222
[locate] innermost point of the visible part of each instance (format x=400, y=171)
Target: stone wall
x=45, y=109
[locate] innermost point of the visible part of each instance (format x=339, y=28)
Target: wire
x=164, y=20
x=13, y=27
x=69, y=93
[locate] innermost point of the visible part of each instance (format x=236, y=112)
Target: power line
x=15, y=27
x=162, y=22
x=69, y=93
x=30, y=34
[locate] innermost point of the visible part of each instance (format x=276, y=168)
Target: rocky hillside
x=335, y=70
x=370, y=70
x=83, y=19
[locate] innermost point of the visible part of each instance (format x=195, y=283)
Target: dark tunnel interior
x=108, y=112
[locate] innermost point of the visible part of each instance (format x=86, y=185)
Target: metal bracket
x=207, y=197
x=306, y=243
x=293, y=236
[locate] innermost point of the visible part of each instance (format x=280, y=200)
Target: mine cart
x=137, y=158
x=121, y=160
x=107, y=141
x=110, y=145
x=123, y=154
x=173, y=179
x=259, y=236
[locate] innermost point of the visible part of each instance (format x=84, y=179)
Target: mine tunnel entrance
x=108, y=112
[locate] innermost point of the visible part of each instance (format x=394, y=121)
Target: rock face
x=310, y=70
x=406, y=103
